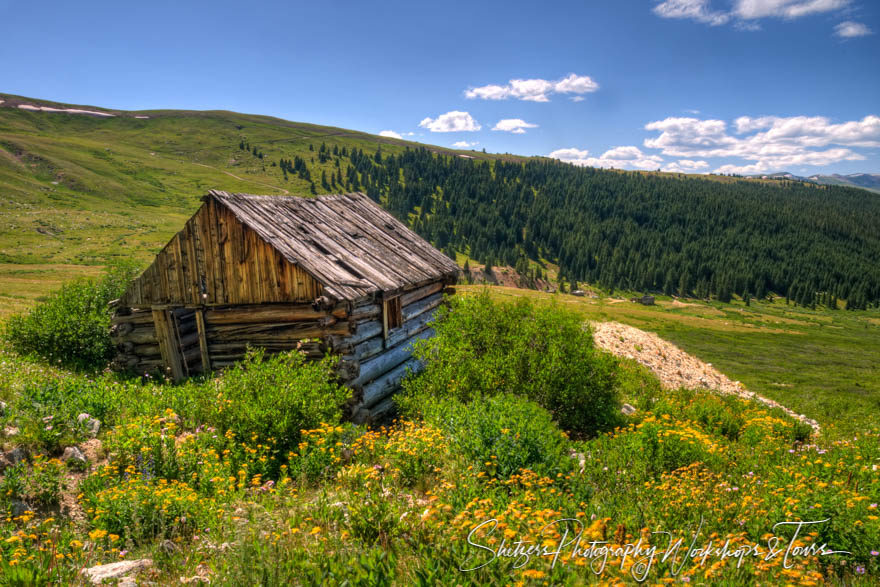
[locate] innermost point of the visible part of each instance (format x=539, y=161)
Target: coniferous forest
x=686, y=236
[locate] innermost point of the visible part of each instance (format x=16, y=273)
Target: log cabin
x=333, y=274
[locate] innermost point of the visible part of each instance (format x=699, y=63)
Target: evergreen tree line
x=685, y=236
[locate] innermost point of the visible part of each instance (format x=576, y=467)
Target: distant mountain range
x=867, y=181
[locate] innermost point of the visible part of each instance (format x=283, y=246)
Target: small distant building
x=327, y=274
x=645, y=300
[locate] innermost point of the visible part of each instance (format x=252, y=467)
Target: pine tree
x=684, y=284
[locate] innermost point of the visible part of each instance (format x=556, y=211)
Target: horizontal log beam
x=138, y=336
x=365, y=330
x=377, y=413
x=379, y=389
x=420, y=307
x=146, y=350
x=283, y=331
x=390, y=359
x=268, y=314
x=143, y=317
x=422, y=292
x=365, y=350
x=409, y=328
x=366, y=312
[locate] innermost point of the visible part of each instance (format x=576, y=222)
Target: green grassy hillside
x=77, y=191
x=86, y=190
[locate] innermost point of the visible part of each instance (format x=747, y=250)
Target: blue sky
x=745, y=86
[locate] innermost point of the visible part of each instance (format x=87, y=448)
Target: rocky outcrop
x=123, y=569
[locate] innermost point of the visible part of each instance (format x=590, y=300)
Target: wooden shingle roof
x=346, y=242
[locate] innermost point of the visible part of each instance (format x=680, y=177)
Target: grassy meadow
x=253, y=477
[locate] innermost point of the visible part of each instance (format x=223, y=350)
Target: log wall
x=185, y=341
x=239, y=268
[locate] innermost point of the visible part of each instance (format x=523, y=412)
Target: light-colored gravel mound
x=674, y=367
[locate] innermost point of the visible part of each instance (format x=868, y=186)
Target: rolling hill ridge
x=93, y=185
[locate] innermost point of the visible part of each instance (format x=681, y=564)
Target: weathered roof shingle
x=347, y=242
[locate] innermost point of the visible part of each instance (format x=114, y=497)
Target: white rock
x=99, y=574
x=628, y=409
x=93, y=425
x=72, y=453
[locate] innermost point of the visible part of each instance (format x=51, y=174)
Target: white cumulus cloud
x=770, y=142
x=464, y=144
x=390, y=134
x=754, y=9
x=535, y=90
x=746, y=14
x=618, y=158
x=687, y=166
x=454, y=121
x=516, y=126
x=698, y=10
x=850, y=29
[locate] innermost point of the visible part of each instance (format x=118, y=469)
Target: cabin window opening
x=393, y=314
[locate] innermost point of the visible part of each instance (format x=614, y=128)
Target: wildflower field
x=478, y=481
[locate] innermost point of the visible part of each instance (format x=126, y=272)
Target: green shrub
x=666, y=444
x=39, y=485
x=46, y=481
x=501, y=435
x=319, y=454
x=546, y=354
x=717, y=414
x=72, y=325
x=373, y=518
x=142, y=510
x=637, y=385
x=13, y=484
x=275, y=398
x=47, y=410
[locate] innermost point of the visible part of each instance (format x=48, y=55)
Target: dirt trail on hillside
x=674, y=367
x=268, y=185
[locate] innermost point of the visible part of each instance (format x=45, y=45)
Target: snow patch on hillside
x=33, y=108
